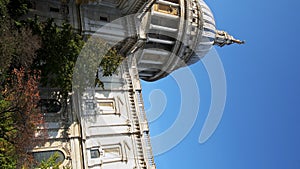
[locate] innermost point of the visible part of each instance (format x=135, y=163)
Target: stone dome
x=178, y=33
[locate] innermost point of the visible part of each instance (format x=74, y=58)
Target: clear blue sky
x=260, y=128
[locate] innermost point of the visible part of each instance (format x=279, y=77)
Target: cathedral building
x=107, y=128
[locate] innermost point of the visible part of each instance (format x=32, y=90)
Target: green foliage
x=96, y=55
x=7, y=127
x=50, y=163
x=17, y=50
x=8, y=157
x=17, y=8
x=110, y=62
x=19, y=117
x=17, y=46
x=53, y=50
x=3, y=9
x=13, y=9
x=57, y=56
x=59, y=53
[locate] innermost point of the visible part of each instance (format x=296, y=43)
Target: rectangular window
x=89, y=105
x=44, y=155
x=95, y=153
x=112, y=153
x=104, y=19
x=167, y=9
x=106, y=106
x=52, y=9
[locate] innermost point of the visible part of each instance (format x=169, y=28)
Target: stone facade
x=107, y=128
x=101, y=128
x=115, y=132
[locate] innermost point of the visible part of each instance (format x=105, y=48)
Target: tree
x=3, y=9
x=19, y=116
x=58, y=54
x=18, y=8
x=8, y=158
x=96, y=55
x=50, y=163
x=18, y=89
x=30, y=52
x=17, y=44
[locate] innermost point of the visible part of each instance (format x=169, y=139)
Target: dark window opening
x=161, y=36
x=174, y=1
x=45, y=155
x=50, y=105
x=159, y=46
x=102, y=18
x=52, y=9
x=95, y=153
x=150, y=71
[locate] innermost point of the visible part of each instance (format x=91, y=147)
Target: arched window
x=50, y=105
x=45, y=155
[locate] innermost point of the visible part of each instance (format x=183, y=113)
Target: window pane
x=90, y=105
x=45, y=155
x=95, y=154
x=52, y=9
x=102, y=18
x=50, y=105
x=112, y=152
x=106, y=106
x=166, y=9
